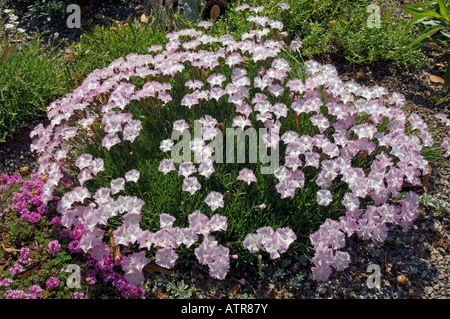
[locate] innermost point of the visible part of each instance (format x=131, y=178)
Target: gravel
x=415, y=264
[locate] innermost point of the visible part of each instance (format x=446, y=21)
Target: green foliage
x=29, y=80
x=363, y=43
x=328, y=25
x=439, y=206
x=435, y=17
x=102, y=45
x=48, y=9
x=174, y=285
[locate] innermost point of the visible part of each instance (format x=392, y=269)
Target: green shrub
x=29, y=80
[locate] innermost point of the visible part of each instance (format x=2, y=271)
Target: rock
x=189, y=9
x=322, y=290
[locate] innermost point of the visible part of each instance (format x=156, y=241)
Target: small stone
x=322, y=290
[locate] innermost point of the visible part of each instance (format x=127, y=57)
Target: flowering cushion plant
x=109, y=155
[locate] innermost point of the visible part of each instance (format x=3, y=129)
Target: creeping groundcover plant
x=141, y=160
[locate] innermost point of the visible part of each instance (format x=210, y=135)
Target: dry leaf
x=426, y=181
x=10, y=51
x=106, y=20
x=85, y=9
x=151, y=267
x=28, y=273
x=436, y=79
x=24, y=170
x=161, y=295
x=144, y=18
x=401, y=279
x=236, y=289
x=115, y=249
x=364, y=155
x=9, y=250
x=331, y=23
x=215, y=12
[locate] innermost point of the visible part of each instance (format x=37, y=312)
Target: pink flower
x=286, y=236
x=286, y=188
x=188, y=237
x=166, y=166
x=324, y=197
x=205, y=253
x=218, y=223
x=132, y=176
x=186, y=169
x=206, y=168
x=266, y=234
x=52, y=283
x=196, y=220
x=134, y=276
x=205, y=24
x=166, y=258
x=54, y=247
x=218, y=269
x=110, y=140
x=321, y=272
x=283, y=6
x=252, y=242
x=323, y=256
x=117, y=185
x=342, y=259
x=166, y=220
x=191, y=185
x=180, y=126
x=135, y=261
x=214, y=200
x=246, y=175
x=83, y=161
x=241, y=122
x=166, y=145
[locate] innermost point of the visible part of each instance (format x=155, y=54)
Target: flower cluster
x=12, y=21
x=34, y=292
x=371, y=224
x=446, y=141
x=274, y=242
x=24, y=256
x=53, y=247
x=27, y=202
x=342, y=122
x=52, y=282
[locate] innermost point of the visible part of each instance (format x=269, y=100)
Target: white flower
x=21, y=30
x=13, y=17
x=9, y=26
x=7, y=11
